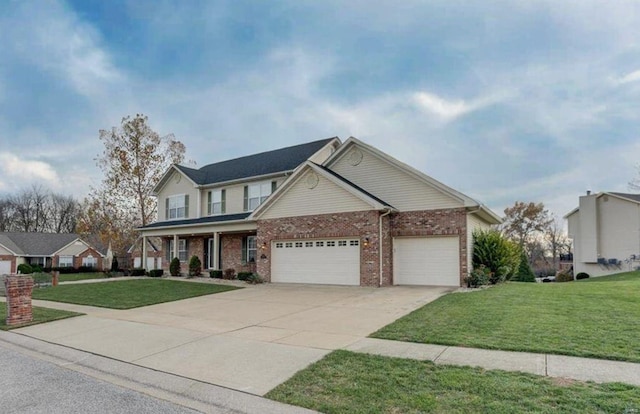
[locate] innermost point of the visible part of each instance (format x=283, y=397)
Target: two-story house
x=605, y=230
x=322, y=212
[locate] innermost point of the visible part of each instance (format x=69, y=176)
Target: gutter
x=388, y=211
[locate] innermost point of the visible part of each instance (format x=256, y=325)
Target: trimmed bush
x=36, y=269
x=494, y=251
x=229, y=274
x=525, y=273
x=215, y=274
x=87, y=269
x=582, y=275
x=564, y=277
x=195, y=266
x=174, y=267
x=156, y=273
x=254, y=279
x=25, y=268
x=137, y=271
x=478, y=277
x=244, y=275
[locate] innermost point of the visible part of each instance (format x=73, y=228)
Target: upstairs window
x=217, y=202
x=177, y=207
x=256, y=194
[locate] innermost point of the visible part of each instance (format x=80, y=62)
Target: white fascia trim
x=9, y=250
x=245, y=180
x=182, y=226
x=69, y=244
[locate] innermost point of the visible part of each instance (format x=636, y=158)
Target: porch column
x=175, y=245
x=144, y=253
x=216, y=249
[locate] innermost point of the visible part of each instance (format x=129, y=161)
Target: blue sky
x=502, y=100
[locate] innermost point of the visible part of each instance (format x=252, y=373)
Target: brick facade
x=362, y=225
x=77, y=260
x=443, y=222
x=231, y=257
x=365, y=226
x=18, y=290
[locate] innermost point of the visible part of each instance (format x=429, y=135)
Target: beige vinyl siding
x=388, y=182
x=618, y=228
x=184, y=186
x=322, y=155
x=4, y=251
x=234, y=195
x=588, y=229
x=473, y=223
x=325, y=198
x=73, y=249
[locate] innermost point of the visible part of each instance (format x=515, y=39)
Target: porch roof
x=202, y=220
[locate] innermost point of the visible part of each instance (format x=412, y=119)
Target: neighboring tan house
x=154, y=254
x=323, y=212
x=48, y=250
x=605, y=229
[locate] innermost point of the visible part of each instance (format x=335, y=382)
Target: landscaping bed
x=599, y=320
x=127, y=294
x=346, y=382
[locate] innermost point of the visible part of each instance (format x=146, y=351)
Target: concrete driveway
x=250, y=339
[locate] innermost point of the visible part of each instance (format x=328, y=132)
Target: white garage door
x=426, y=261
x=329, y=261
x=5, y=267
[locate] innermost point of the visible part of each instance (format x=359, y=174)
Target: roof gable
x=313, y=189
x=39, y=244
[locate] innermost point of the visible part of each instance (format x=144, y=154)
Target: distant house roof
x=627, y=196
x=265, y=163
x=201, y=220
x=36, y=244
x=634, y=197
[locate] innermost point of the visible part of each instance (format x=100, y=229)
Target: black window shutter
x=273, y=186
x=209, y=203
x=166, y=208
x=244, y=249
x=223, y=199
x=246, y=198
x=186, y=206
x=168, y=251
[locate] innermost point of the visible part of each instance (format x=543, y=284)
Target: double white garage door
x=327, y=262
x=416, y=261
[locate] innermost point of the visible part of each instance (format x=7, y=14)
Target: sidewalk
x=582, y=369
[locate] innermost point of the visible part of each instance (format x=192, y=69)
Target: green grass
x=40, y=315
x=619, y=277
x=127, y=294
x=346, y=382
x=599, y=320
x=72, y=277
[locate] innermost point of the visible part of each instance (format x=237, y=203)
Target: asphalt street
x=30, y=385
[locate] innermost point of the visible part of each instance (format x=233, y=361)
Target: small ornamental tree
x=195, y=266
x=174, y=267
x=114, y=264
x=525, y=273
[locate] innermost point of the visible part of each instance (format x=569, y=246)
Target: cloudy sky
x=502, y=100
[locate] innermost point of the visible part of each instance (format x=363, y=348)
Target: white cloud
x=449, y=110
x=630, y=77
x=17, y=173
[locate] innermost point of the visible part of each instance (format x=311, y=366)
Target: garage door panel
x=426, y=261
x=329, y=261
x=5, y=267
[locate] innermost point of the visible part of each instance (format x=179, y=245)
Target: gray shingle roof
x=201, y=220
x=36, y=244
x=635, y=197
x=270, y=162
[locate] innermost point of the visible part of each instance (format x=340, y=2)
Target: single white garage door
x=328, y=262
x=5, y=267
x=426, y=261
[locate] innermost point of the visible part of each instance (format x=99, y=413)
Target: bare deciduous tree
x=524, y=221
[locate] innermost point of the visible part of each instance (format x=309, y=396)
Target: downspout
x=388, y=211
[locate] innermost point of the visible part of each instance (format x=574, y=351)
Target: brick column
x=18, y=291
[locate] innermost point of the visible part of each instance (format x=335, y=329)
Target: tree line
x=37, y=209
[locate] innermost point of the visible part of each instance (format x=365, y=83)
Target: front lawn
x=346, y=382
x=127, y=294
x=40, y=315
x=72, y=277
x=600, y=320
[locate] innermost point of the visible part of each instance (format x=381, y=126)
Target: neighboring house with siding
x=323, y=212
x=48, y=250
x=605, y=230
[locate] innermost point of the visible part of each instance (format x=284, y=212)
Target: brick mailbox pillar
x=55, y=276
x=18, y=290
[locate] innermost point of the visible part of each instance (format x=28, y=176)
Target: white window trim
x=60, y=264
x=94, y=261
x=182, y=198
x=182, y=248
x=261, y=197
x=253, y=249
x=213, y=202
